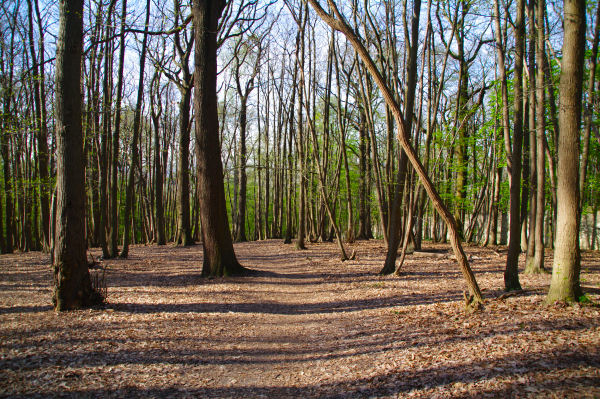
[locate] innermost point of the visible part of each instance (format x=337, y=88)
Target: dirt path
x=306, y=325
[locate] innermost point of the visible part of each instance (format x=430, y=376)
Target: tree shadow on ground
x=279, y=308
x=396, y=382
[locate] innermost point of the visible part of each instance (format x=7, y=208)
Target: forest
x=300, y=198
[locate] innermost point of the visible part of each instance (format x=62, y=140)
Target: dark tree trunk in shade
x=184, y=234
x=113, y=249
x=511, y=273
x=219, y=256
x=72, y=284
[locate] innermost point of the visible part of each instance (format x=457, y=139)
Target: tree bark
x=219, y=256
x=589, y=110
x=511, y=273
x=537, y=264
x=389, y=265
x=113, y=249
x=565, y=284
x=156, y=110
x=72, y=284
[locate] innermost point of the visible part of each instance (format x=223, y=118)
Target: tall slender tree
x=511, y=273
x=129, y=194
x=113, y=249
x=565, y=284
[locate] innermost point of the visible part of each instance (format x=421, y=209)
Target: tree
x=389, y=265
x=156, y=111
x=129, y=195
x=40, y=106
x=565, y=285
x=219, y=256
x=241, y=52
x=537, y=264
x=113, y=249
x=184, y=231
x=72, y=284
x=338, y=22
x=511, y=273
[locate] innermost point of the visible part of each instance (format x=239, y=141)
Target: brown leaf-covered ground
x=305, y=325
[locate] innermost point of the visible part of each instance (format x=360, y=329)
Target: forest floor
x=305, y=325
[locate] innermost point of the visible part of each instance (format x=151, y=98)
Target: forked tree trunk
x=72, y=284
x=565, y=285
x=219, y=256
x=475, y=299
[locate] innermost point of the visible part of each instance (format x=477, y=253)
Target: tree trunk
x=240, y=219
x=363, y=215
x=72, y=284
x=589, y=110
x=475, y=299
x=565, y=285
x=40, y=114
x=389, y=265
x=184, y=234
x=511, y=273
x=113, y=249
x=105, y=135
x=537, y=265
x=129, y=194
x=158, y=175
x=300, y=145
x=219, y=256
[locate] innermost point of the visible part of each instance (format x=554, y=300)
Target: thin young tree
x=243, y=49
x=113, y=249
x=129, y=194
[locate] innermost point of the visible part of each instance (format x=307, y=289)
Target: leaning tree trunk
x=565, y=285
x=475, y=299
x=219, y=256
x=72, y=284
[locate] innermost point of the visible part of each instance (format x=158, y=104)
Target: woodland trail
x=304, y=325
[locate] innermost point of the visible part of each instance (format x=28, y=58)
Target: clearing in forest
x=304, y=325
